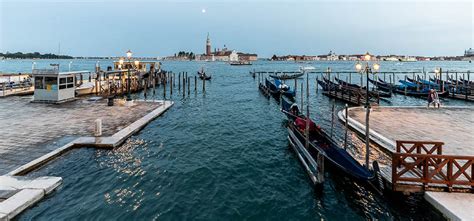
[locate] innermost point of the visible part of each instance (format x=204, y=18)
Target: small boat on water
x=240, y=63
x=286, y=76
x=203, y=76
x=277, y=87
x=406, y=88
x=321, y=143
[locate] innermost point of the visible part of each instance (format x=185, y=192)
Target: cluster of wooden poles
x=168, y=81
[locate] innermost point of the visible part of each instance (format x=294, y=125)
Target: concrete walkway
x=30, y=130
x=18, y=193
x=451, y=125
x=454, y=206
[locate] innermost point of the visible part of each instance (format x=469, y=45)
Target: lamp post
x=129, y=55
x=366, y=69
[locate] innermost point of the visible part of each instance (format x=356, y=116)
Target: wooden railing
x=418, y=163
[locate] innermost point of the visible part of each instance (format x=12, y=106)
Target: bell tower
x=208, y=45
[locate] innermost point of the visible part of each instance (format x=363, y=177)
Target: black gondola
x=202, y=75
x=380, y=93
x=322, y=143
x=286, y=76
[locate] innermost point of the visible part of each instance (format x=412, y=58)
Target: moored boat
x=287, y=76
x=320, y=142
x=240, y=63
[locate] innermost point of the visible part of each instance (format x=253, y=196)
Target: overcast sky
x=160, y=28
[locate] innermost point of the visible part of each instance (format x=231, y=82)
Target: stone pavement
x=452, y=125
x=30, y=130
x=18, y=193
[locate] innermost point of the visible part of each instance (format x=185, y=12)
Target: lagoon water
x=222, y=155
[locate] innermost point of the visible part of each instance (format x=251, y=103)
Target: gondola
x=286, y=76
x=423, y=83
x=382, y=86
x=421, y=93
x=321, y=143
x=272, y=87
x=374, y=93
x=277, y=87
x=327, y=86
x=203, y=76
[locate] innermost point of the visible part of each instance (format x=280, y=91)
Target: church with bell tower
x=208, y=45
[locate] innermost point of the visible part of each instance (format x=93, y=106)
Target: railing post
x=425, y=172
x=450, y=174
x=395, y=159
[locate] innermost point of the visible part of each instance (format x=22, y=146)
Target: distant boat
x=240, y=63
x=287, y=76
x=202, y=75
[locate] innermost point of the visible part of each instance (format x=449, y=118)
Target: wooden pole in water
x=332, y=115
x=405, y=89
x=316, y=84
x=164, y=88
x=189, y=90
x=195, y=83
x=307, y=87
x=302, y=96
x=307, y=113
x=203, y=84
x=184, y=85
x=171, y=84
x=179, y=81
x=154, y=83
x=346, y=127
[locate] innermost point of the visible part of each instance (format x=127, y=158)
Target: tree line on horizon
x=189, y=55
x=20, y=55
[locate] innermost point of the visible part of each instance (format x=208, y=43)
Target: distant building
x=332, y=56
x=469, y=53
x=224, y=54
x=247, y=57
x=208, y=45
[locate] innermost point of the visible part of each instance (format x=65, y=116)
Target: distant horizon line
x=278, y=55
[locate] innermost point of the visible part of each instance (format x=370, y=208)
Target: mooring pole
x=184, y=85
x=203, y=84
x=164, y=89
x=346, y=127
x=302, y=96
x=332, y=116
x=195, y=83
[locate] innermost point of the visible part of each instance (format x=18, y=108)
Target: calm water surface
x=222, y=155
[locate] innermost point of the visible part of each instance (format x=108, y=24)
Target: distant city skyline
x=162, y=28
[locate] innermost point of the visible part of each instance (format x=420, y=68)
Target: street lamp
x=120, y=64
x=366, y=69
x=129, y=55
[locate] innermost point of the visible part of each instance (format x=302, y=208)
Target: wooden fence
x=418, y=166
